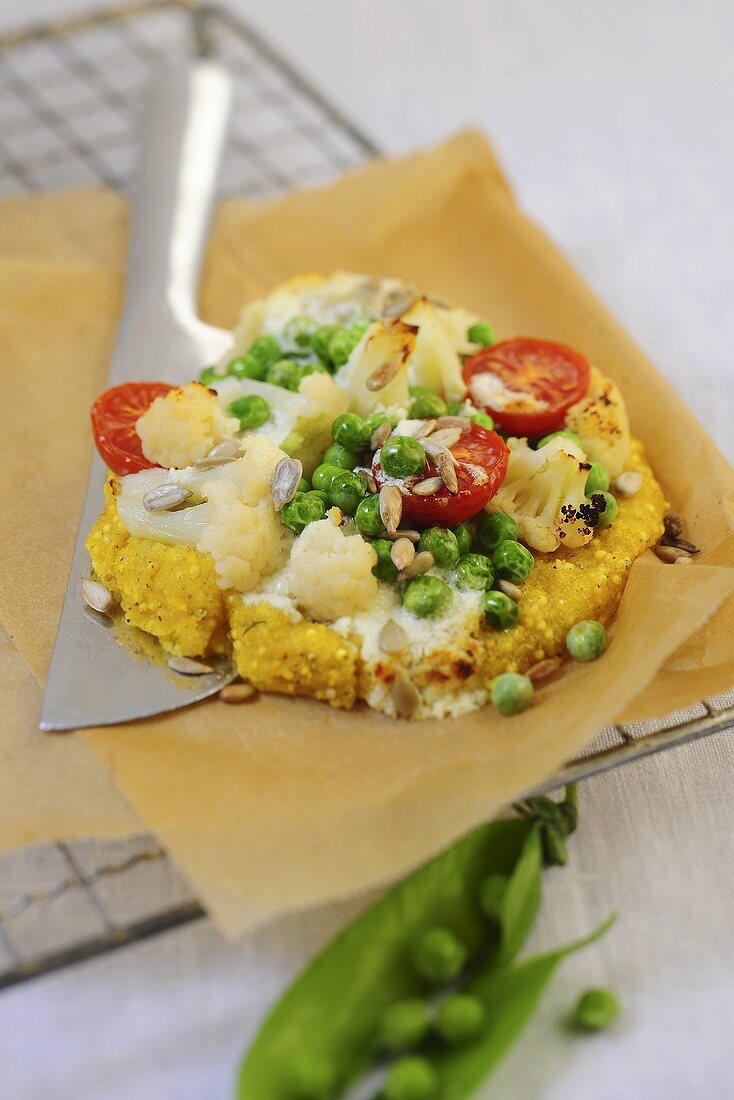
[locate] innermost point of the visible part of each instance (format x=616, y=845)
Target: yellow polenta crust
x=171, y=592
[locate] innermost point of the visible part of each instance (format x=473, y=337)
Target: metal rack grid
x=71, y=98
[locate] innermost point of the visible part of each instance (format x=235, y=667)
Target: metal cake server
x=93, y=680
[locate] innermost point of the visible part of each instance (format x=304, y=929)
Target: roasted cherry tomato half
x=482, y=458
x=114, y=415
x=547, y=378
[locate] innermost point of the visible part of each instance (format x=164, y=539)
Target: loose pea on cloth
x=286, y=803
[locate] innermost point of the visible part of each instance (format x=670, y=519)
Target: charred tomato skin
x=549, y=372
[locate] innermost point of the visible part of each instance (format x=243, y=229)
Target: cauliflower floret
x=247, y=543
x=601, y=420
x=544, y=491
x=388, y=345
x=253, y=472
x=311, y=432
x=332, y=572
x=183, y=426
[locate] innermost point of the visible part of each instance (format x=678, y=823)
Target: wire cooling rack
x=71, y=97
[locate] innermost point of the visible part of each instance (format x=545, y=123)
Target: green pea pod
x=333, y=1009
x=509, y=995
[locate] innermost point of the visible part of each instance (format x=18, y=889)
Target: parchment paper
x=285, y=803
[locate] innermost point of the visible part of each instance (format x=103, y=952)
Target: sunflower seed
x=628, y=483
x=544, y=670
x=428, y=486
x=402, y=553
x=284, y=485
x=674, y=525
x=391, y=507
x=165, y=497
x=96, y=596
x=684, y=560
x=421, y=563
x=681, y=544
x=509, y=589
x=384, y=374
x=461, y=422
x=392, y=637
x=447, y=470
x=368, y=479
x=405, y=697
x=186, y=666
x=414, y=536
x=226, y=451
x=447, y=436
x=237, y=693
x=397, y=301
x=670, y=554
x=380, y=435
x=424, y=429
x=434, y=448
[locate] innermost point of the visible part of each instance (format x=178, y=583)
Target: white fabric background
x=613, y=120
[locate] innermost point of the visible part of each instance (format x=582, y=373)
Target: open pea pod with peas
x=428, y=965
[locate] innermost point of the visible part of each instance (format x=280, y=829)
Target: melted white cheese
x=487, y=389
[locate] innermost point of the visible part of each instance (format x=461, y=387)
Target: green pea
x=500, y=611
x=324, y=475
x=460, y=1019
x=266, y=350
x=419, y=391
x=439, y=954
x=427, y=405
x=404, y=1025
x=284, y=373
x=299, y=330
x=443, y=544
x=343, y=343
x=491, y=893
x=495, y=528
x=375, y=419
x=402, y=456
x=252, y=411
x=351, y=431
x=596, y=1009
x=247, y=366
x=473, y=571
x=209, y=375
x=336, y=455
x=606, y=509
x=464, y=537
x=483, y=419
x=598, y=479
x=320, y=341
x=303, y=509
x=586, y=640
x=410, y=1078
x=511, y=692
x=455, y=408
x=346, y=491
x=513, y=561
x=303, y=486
x=312, y=1077
x=480, y=333
x=384, y=568
x=566, y=433
x=367, y=518
x=312, y=368
x=427, y=597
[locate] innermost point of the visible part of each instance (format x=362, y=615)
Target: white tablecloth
x=613, y=119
